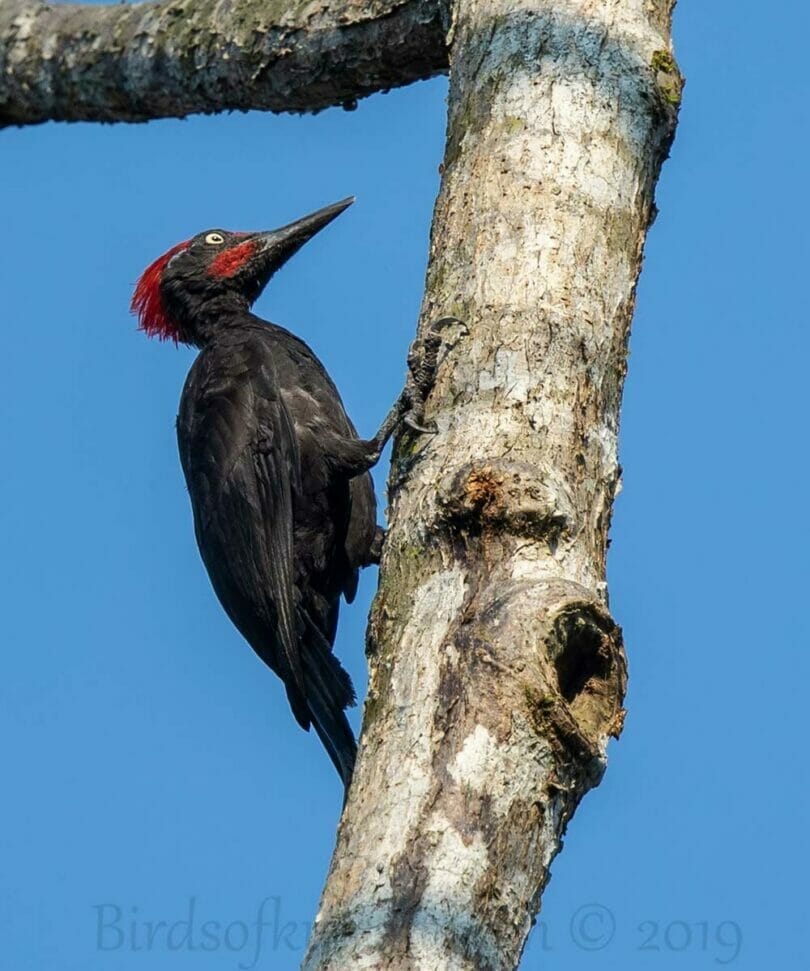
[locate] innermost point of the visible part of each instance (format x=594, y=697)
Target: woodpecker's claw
x=443, y=322
x=413, y=420
x=437, y=336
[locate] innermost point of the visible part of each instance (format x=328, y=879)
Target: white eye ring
x=214, y=239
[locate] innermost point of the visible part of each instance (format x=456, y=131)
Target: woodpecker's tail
x=328, y=691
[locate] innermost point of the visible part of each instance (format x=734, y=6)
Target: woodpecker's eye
x=215, y=239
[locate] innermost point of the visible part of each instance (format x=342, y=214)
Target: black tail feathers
x=335, y=732
x=328, y=691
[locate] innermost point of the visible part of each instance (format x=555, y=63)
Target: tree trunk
x=497, y=672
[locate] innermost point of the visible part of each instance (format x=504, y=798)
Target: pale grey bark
x=172, y=58
x=497, y=672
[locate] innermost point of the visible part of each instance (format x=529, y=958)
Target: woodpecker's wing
x=240, y=458
x=277, y=477
x=313, y=398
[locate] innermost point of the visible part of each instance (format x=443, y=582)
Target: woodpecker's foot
x=423, y=356
x=409, y=409
x=423, y=363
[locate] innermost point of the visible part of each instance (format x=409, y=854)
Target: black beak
x=280, y=244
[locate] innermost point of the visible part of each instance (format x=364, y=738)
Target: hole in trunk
x=585, y=656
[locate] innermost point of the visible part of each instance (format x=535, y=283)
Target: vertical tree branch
x=497, y=673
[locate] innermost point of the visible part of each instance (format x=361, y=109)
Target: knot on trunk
x=495, y=494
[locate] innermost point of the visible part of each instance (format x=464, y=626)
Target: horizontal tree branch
x=133, y=62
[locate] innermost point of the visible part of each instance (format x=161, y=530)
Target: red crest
x=147, y=301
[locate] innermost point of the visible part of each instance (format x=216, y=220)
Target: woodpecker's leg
x=423, y=362
x=360, y=456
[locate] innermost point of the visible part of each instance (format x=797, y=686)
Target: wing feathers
x=277, y=471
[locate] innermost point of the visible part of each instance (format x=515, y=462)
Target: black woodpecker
x=284, y=508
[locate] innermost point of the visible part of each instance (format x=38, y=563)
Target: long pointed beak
x=280, y=244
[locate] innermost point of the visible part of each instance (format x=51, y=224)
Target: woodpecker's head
x=217, y=269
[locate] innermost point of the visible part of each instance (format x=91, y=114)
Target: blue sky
x=150, y=763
